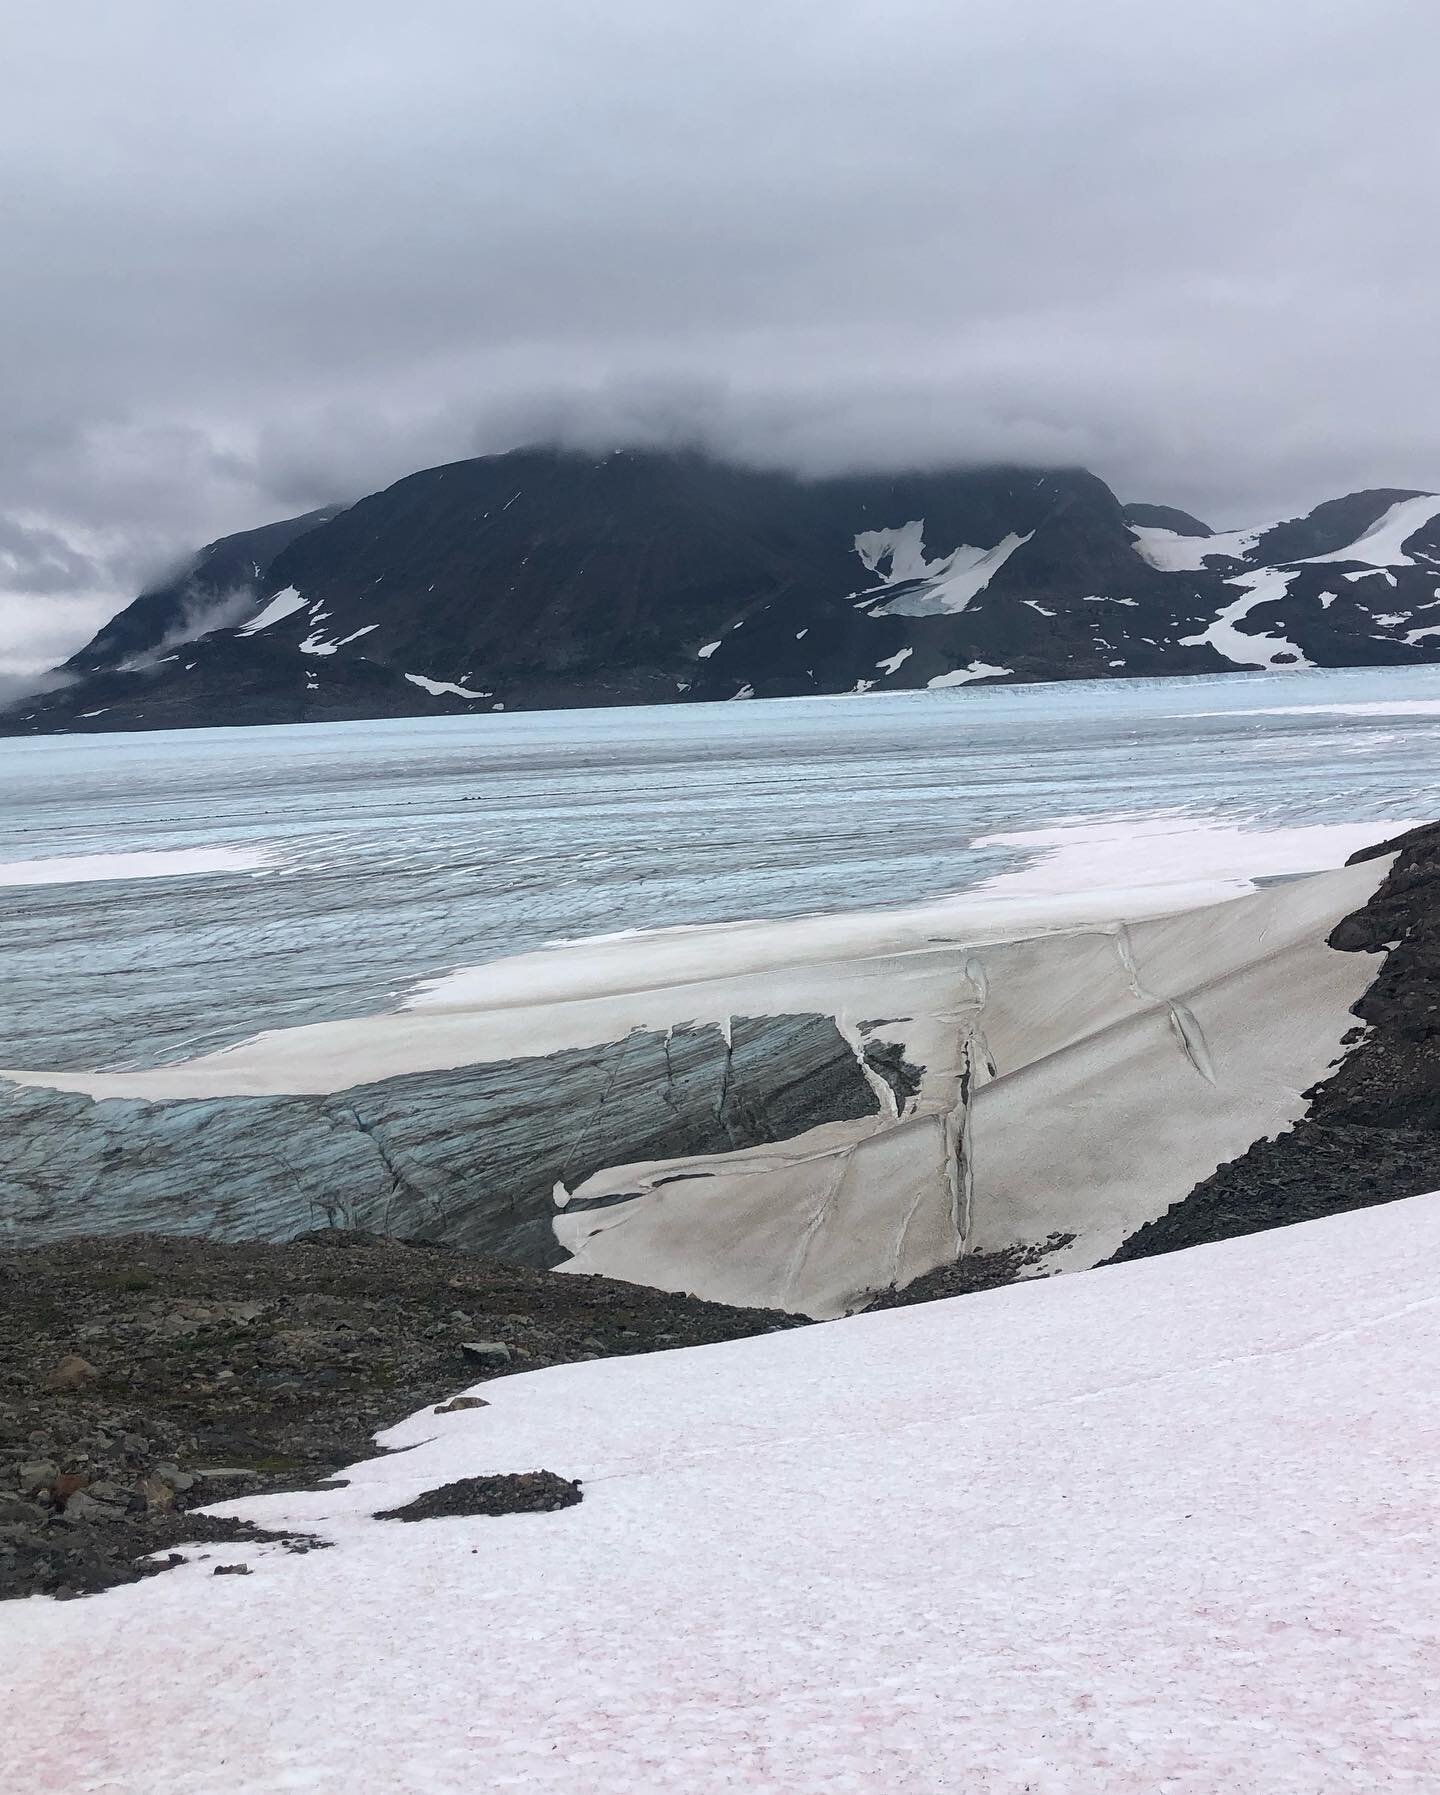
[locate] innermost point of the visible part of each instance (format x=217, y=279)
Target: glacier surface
x=340, y=1001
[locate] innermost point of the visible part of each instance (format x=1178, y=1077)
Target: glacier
x=339, y=996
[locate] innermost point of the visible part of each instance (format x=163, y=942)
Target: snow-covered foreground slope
x=1166, y=1526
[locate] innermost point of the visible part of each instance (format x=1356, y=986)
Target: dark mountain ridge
x=549, y=579
x=234, y=565
x=1166, y=517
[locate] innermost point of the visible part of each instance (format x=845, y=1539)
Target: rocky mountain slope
x=215, y=589
x=1371, y=1132
x=547, y=579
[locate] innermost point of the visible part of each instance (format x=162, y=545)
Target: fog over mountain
x=271, y=259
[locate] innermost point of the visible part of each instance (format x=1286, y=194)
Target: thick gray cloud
x=269, y=255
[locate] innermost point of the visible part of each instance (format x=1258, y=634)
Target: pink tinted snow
x=1166, y=1526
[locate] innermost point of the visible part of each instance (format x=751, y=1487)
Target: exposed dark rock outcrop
x=508, y=1493
x=1372, y=1133
x=1166, y=517
x=976, y=1271
x=226, y=1369
x=886, y=1059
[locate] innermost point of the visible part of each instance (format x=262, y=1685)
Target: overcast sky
x=269, y=255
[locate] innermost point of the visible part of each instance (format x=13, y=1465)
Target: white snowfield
x=962, y=676
x=284, y=604
x=939, y=588
x=140, y=863
x=1383, y=544
x=438, y=688
x=1251, y=648
x=1075, y=1084
x=1168, y=1526
x=1094, y=1034
x=1171, y=552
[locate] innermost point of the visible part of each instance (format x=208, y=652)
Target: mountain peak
x=1166, y=517
x=220, y=581
x=550, y=577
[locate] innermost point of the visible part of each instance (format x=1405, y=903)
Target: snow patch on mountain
x=1170, y=552
x=438, y=688
x=896, y=555
x=1241, y=647
x=283, y=604
x=962, y=676
x=894, y=662
x=1383, y=544
x=939, y=588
